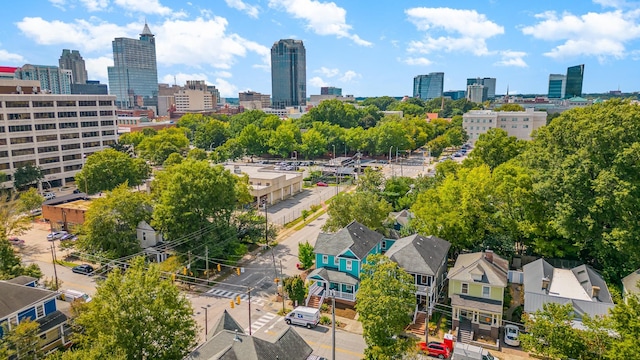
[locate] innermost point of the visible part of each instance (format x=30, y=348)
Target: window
x=70, y=147
x=514, y=119
x=349, y=265
x=89, y=123
x=67, y=114
x=108, y=142
x=465, y=288
x=73, y=167
x=49, y=160
x=325, y=259
x=66, y=103
x=69, y=136
x=24, y=116
x=105, y=103
x=514, y=126
x=89, y=134
x=19, y=164
x=43, y=104
x=41, y=138
x=485, y=319
x=88, y=113
x=68, y=125
x=87, y=103
x=112, y=132
x=17, y=104
x=525, y=126
x=336, y=261
x=51, y=171
x=503, y=119
x=39, y=311
x=4, y=154
x=46, y=149
x=45, y=126
x=22, y=152
x=22, y=140
x=106, y=123
x=71, y=157
x=525, y=119
x=19, y=128
x=486, y=291
x=45, y=115
x=91, y=144
x=106, y=112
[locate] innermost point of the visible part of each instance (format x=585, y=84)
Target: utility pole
x=249, y=293
x=206, y=259
x=206, y=324
x=282, y=282
x=55, y=271
x=333, y=325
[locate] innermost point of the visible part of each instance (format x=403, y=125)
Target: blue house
x=22, y=300
x=339, y=259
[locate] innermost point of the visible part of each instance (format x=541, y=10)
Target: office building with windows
x=72, y=60
x=556, y=86
x=53, y=132
x=133, y=78
x=573, y=85
x=288, y=74
x=330, y=90
x=516, y=123
x=53, y=79
x=427, y=87
x=489, y=86
x=455, y=94
x=251, y=100
x=476, y=93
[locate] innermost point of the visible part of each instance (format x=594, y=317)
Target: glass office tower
x=427, y=87
x=573, y=85
x=72, y=60
x=556, y=86
x=133, y=78
x=288, y=74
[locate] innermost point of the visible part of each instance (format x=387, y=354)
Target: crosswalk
x=264, y=320
x=232, y=295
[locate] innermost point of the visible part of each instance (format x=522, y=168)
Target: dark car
x=435, y=349
x=83, y=269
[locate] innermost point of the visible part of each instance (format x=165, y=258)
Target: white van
x=49, y=195
x=470, y=352
x=73, y=295
x=304, y=316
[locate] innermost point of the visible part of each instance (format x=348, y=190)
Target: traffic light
x=276, y=280
x=238, y=299
x=238, y=271
x=219, y=268
x=232, y=304
x=184, y=271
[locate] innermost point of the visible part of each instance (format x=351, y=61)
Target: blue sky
x=366, y=47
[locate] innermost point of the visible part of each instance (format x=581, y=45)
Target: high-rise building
x=330, y=90
x=252, y=100
x=194, y=97
x=427, y=87
x=489, y=86
x=476, y=93
x=455, y=94
x=52, y=79
x=72, y=60
x=556, y=86
x=133, y=78
x=573, y=85
x=288, y=74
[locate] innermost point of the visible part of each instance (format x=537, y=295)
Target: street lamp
x=334, y=151
x=206, y=325
x=391, y=147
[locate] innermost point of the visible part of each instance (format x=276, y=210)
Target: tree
x=368, y=209
x=211, y=134
x=625, y=321
x=509, y=107
x=381, y=102
x=22, y=341
x=197, y=154
x=384, y=302
x=172, y=159
x=137, y=313
x=313, y=145
x=391, y=134
x=132, y=138
x=496, y=147
x=158, y=147
x=27, y=175
x=105, y=170
x=284, y=140
x=295, y=289
x=252, y=139
x=111, y=221
x=11, y=265
x=305, y=255
x=371, y=181
x=30, y=200
x=13, y=220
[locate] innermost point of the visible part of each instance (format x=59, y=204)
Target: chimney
x=595, y=291
x=488, y=254
x=545, y=283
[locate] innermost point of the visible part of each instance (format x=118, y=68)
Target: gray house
x=631, y=284
x=581, y=286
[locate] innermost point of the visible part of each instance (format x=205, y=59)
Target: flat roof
x=82, y=205
x=262, y=172
x=566, y=285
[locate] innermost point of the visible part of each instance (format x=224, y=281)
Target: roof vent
x=595, y=291
x=236, y=337
x=545, y=283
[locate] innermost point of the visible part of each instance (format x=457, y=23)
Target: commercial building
x=557, y=83
x=427, y=87
x=489, y=86
x=315, y=100
x=330, y=90
x=251, y=100
x=455, y=94
x=134, y=77
x=72, y=60
x=516, y=123
x=476, y=93
x=194, y=97
x=8, y=72
x=53, y=132
x=288, y=74
x=268, y=184
x=53, y=79
x=92, y=87
x=573, y=87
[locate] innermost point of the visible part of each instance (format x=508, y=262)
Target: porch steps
x=465, y=336
x=315, y=301
x=419, y=327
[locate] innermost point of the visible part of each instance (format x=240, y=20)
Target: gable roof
x=17, y=297
x=630, y=282
x=226, y=322
x=492, y=268
x=419, y=254
x=22, y=280
x=355, y=236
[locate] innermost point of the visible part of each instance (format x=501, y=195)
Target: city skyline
x=371, y=50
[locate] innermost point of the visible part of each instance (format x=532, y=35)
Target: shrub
x=324, y=307
x=325, y=320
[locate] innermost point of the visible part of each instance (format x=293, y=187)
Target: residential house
x=581, y=286
x=149, y=238
x=228, y=341
x=22, y=300
x=339, y=259
x=630, y=284
x=476, y=288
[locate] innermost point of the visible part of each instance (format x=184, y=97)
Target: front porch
x=328, y=283
x=484, y=315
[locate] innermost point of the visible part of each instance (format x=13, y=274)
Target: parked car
x=48, y=195
x=77, y=191
x=320, y=183
x=512, y=335
x=56, y=235
x=68, y=236
x=15, y=241
x=435, y=349
x=83, y=269
x=36, y=212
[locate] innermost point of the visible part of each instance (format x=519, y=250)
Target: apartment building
x=516, y=123
x=54, y=132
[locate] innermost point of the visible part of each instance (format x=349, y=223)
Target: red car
x=435, y=349
x=320, y=183
x=15, y=241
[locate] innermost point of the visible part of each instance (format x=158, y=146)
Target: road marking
x=260, y=322
x=325, y=346
x=232, y=295
x=274, y=324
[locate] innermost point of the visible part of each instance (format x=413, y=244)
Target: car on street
x=83, y=269
x=68, y=236
x=435, y=349
x=16, y=241
x=56, y=235
x=48, y=195
x=320, y=183
x=512, y=335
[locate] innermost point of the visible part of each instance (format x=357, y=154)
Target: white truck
x=470, y=352
x=303, y=316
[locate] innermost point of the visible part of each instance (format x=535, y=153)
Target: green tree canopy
x=295, y=289
x=550, y=333
x=158, y=147
x=284, y=140
x=106, y=169
x=496, y=147
x=366, y=208
x=30, y=200
x=26, y=175
x=381, y=102
x=22, y=341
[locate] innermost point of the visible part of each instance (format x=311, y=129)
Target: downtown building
x=516, y=123
x=55, y=132
x=331, y=90
x=53, y=79
x=288, y=74
x=80, y=83
x=489, y=87
x=566, y=86
x=430, y=86
x=251, y=100
x=133, y=78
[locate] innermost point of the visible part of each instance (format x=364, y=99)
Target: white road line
x=261, y=322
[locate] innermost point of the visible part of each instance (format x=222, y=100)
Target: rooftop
x=565, y=284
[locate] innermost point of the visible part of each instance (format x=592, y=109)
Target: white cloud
x=144, y=6
x=250, y=10
x=328, y=72
x=95, y=5
x=601, y=35
x=8, y=57
x=226, y=88
x=617, y=4
x=323, y=18
x=512, y=58
x=97, y=68
x=223, y=74
x=59, y=4
x=465, y=30
x=417, y=61
x=349, y=75
x=317, y=82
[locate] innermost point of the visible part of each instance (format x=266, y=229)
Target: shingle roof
x=17, y=297
x=226, y=322
x=334, y=276
x=630, y=282
x=419, y=254
x=492, y=272
x=355, y=236
x=22, y=280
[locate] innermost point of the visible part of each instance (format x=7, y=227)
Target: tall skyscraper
x=52, y=79
x=476, y=93
x=556, y=86
x=72, y=60
x=330, y=90
x=489, y=86
x=573, y=86
x=288, y=74
x=133, y=78
x=428, y=87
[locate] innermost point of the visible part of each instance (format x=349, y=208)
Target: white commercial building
x=516, y=123
x=54, y=132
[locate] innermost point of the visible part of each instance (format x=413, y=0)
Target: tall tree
x=295, y=289
x=211, y=134
x=284, y=140
x=22, y=341
x=384, y=302
x=496, y=147
x=305, y=255
x=13, y=219
x=105, y=170
x=366, y=208
x=625, y=322
x=30, y=200
x=313, y=145
x=158, y=147
x=550, y=333
x=138, y=313
x=27, y=175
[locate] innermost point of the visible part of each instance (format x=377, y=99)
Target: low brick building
x=66, y=211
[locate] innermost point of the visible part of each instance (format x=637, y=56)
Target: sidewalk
x=350, y=325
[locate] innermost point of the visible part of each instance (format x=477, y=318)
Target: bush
x=325, y=320
x=324, y=307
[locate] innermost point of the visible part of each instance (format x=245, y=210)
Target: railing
x=315, y=289
x=415, y=314
x=422, y=289
x=345, y=295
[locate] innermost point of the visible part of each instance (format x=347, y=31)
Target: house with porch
x=476, y=287
x=21, y=300
x=339, y=259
